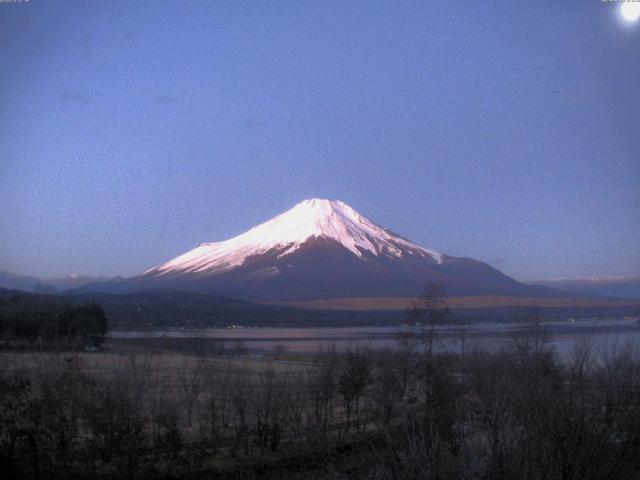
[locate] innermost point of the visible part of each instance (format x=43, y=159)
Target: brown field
x=473, y=301
x=124, y=361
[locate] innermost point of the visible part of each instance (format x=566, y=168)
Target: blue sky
x=499, y=130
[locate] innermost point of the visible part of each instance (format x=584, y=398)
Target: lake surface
x=564, y=336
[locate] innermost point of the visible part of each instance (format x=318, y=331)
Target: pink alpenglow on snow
x=320, y=249
x=313, y=218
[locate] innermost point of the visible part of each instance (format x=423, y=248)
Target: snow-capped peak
x=286, y=233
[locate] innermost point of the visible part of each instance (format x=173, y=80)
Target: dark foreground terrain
x=410, y=413
x=76, y=403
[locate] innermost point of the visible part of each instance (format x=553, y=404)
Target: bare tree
x=191, y=384
x=426, y=317
x=240, y=405
x=353, y=379
x=218, y=385
x=322, y=385
x=388, y=389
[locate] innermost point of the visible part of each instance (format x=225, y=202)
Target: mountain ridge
x=320, y=249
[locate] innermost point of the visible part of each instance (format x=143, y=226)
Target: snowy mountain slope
x=288, y=232
x=320, y=249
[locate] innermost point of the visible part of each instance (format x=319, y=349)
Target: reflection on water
x=564, y=336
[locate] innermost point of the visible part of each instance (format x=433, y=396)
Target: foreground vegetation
x=410, y=413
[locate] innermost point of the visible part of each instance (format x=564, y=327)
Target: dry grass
x=170, y=364
x=473, y=301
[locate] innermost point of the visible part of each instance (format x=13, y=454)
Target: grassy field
x=166, y=367
x=462, y=302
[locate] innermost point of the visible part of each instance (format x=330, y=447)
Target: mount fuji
x=320, y=249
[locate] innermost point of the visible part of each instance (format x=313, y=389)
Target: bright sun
x=630, y=10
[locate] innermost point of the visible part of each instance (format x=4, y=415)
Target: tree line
x=26, y=320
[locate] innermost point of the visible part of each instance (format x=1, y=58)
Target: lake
x=564, y=336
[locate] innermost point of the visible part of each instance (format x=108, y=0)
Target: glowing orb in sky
x=630, y=10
